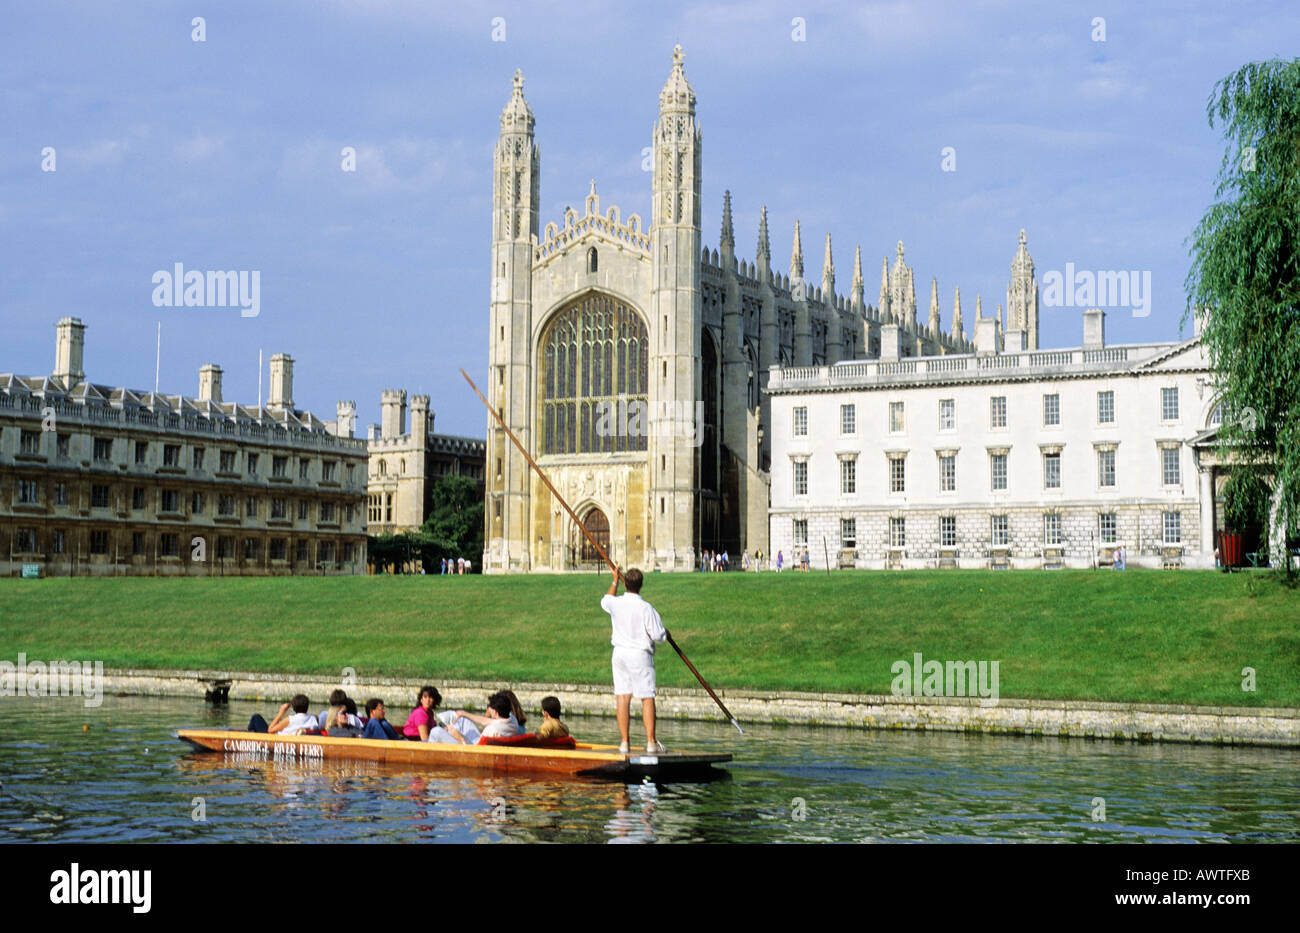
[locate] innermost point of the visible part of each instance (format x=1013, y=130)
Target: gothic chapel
x=605, y=313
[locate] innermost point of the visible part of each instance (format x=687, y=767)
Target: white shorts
x=634, y=673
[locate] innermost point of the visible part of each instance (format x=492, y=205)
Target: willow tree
x=1246, y=273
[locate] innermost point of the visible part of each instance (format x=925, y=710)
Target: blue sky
x=226, y=154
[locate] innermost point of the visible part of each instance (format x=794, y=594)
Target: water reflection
x=127, y=779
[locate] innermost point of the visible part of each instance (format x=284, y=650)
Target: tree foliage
x=454, y=528
x=1246, y=273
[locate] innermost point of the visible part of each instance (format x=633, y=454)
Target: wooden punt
x=586, y=760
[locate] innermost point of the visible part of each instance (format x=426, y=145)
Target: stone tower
x=516, y=193
x=421, y=419
x=392, y=412
x=345, y=418
x=675, y=315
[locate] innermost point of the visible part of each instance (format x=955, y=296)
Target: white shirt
x=635, y=623
x=501, y=728
x=298, y=722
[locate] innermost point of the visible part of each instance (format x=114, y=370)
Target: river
x=115, y=773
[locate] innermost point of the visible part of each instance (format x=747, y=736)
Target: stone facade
x=105, y=480
x=690, y=332
x=1001, y=458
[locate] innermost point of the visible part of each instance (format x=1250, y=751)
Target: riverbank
x=1147, y=637
x=1141, y=722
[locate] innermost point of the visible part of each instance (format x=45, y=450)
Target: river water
x=115, y=773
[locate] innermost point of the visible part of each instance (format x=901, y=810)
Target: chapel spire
x=911, y=298
x=677, y=94
x=676, y=143
x=516, y=190
x=517, y=117
x=728, y=235
x=796, y=255
x=764, y=251
x=1022, y=296
x=828, y=273
x=855, y=295
x=884, y=305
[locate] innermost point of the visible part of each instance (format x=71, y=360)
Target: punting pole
x=596, y=544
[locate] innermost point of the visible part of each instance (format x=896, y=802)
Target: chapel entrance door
x=597, y=526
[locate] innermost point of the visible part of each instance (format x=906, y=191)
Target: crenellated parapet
x=607, y=226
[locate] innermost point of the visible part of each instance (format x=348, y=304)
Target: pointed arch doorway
x=597, y=525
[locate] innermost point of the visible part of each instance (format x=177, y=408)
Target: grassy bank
x=1146, y=636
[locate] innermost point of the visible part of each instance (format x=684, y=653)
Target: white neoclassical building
x=1009, y=456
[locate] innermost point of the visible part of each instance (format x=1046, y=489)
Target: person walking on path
x=636, y=627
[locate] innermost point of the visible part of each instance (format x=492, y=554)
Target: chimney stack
x=69, y=345
x=210, y=383
x=280, y=397
x=1094, y=329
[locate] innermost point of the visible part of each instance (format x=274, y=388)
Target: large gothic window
x=709, y=448
x=594, y=373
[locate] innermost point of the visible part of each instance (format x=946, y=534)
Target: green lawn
x=1152, y=636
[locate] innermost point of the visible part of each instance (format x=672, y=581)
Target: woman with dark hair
x=421, y=719
x=516, y=710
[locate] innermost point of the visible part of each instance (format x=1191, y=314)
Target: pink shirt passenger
x=419, y=717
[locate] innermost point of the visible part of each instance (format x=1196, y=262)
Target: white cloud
x=100, y=152
x=404, y=164
x=197, y=148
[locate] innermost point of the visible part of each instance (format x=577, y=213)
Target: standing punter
x=636, y=628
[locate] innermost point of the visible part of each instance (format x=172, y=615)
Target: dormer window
x=591, y=260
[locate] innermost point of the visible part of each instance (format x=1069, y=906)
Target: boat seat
x=530, y=740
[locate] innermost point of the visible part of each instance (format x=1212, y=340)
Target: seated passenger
x=516, y=711
x=342, y=727
x=551, y=727
x=377, y=727
x=340, y=700
x=327, y=715
x=499, y=723
x=293, y=725
x=421, y=719
x=351, y=706
x=453, y=728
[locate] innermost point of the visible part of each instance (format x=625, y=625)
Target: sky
x=949, y=126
